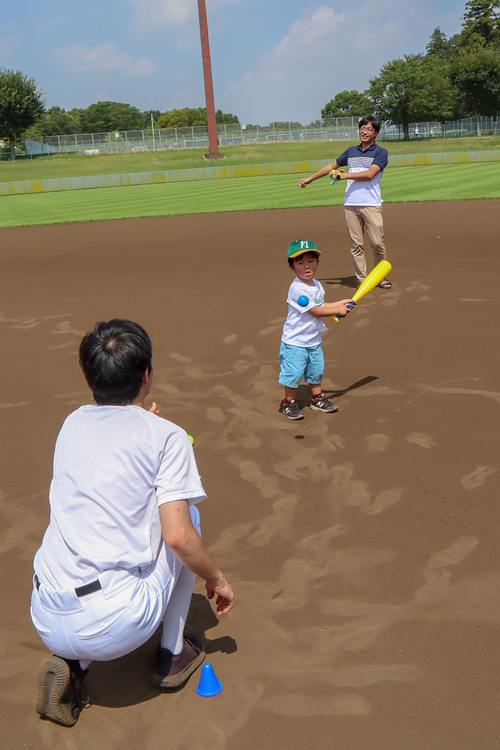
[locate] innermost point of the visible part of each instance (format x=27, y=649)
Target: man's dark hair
x=370, y=119
x=114, y=357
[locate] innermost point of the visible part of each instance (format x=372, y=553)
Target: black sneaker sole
x=53, y=700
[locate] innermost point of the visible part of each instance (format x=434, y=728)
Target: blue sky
x=271, y=59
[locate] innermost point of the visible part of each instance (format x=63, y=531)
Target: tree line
x=105, y=117
x=456, y=77
x=23, y=114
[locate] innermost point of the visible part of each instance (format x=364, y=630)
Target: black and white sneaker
x=291, y=409
x=322, y=403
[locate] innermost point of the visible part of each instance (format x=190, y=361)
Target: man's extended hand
x=154, y=409
x=225, y=595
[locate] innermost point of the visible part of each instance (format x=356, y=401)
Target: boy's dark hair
x=114, y=357
x=370, y=119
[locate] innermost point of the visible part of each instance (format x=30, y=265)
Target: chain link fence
x=333, y=129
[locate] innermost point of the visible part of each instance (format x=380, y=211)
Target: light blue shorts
x=299, y=362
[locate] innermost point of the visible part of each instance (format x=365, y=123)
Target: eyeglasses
x=367, y=130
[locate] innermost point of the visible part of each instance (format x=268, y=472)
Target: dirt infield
x=364, y=556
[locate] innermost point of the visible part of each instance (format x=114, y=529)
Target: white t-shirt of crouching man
x=113, y=467
x=301, y=328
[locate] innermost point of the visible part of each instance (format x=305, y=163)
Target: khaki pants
x=359, y=218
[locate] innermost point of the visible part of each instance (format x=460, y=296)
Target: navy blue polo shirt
x=364, y=192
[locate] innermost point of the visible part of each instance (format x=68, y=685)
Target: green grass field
x=400, y=185
x=148, y=161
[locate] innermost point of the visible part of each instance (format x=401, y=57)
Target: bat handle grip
x=338, y=318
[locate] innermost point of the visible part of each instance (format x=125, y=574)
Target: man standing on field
x=363, y=197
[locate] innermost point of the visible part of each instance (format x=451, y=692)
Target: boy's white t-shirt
x=113, y=467
x=301, y=328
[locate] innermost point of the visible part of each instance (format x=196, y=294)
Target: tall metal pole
x=213, y=141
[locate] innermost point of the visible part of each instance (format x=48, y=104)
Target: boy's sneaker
x=173, y=671
x=322, y=403
x=60, y=686
x=291, y=409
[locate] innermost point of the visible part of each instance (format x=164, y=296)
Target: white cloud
x=77, y=58
x=153, y=15
x=162, y=12
x=7, y=46
x=306, y=34
x=301, y=58
x=330, y=48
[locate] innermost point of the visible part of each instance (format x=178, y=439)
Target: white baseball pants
x=122, y=615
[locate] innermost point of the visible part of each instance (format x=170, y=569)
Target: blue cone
x=209, y=684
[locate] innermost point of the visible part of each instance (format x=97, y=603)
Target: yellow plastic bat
x=372, y=280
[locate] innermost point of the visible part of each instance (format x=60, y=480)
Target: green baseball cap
x=299, y=247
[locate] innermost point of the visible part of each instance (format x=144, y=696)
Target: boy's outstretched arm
x=320, y=173
x=332, y=308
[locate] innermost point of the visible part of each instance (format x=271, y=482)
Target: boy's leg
x=355, y=227
x=293, y=362
x=320, y=402
x=314, y=376
x=290, y=406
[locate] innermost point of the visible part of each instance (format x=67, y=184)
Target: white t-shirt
x=358, y=159
x=301, y=328
x=359, y=193
x=113, y=467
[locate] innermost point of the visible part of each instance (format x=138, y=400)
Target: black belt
x=89, y=588
x=80, y=591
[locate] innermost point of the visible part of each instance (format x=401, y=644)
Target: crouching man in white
x=123, y=547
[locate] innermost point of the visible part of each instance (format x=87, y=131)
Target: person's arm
x=368, y=174
x=186, y=544
x=320, y=173
x=332, y=308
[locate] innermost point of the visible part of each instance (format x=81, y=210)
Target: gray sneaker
x=60, y=690
x=291, y=409
x=173, y=671
x=323, y=404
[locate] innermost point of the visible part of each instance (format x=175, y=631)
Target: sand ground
x=364, y=556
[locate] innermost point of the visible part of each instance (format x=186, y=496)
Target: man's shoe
x=291, y=409
x=59, y=694
x=173, y=671
x=322, y=403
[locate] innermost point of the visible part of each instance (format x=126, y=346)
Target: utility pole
x=213, y=141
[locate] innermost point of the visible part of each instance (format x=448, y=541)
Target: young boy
x=301, y=353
